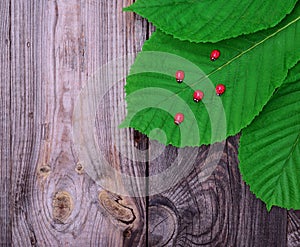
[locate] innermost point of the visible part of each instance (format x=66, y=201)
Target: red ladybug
x=178, y=119
x=198, y=95
x=220, y=89
x=214, y=55
x=179, y=76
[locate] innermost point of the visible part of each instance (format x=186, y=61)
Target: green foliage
x=294, y=74
x=203, y=21
x=251, y=67
x=270, y=150
x=256, y=70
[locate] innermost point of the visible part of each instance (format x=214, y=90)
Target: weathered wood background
x=49, y=49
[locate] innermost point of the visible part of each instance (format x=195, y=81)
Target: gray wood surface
x=294, y=229
x=5, y=126
x=55, y=47
x=49, y=51
x=219, y=211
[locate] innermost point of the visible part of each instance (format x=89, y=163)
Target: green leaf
x=251, y=67
x=294, y=74
x=269, y=150
x=203, y=20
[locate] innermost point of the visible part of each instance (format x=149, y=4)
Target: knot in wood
x=162, y=225
x=62, y=206
x=44, y=171
x=127, y=233
x=79, y=168
x=116, y=210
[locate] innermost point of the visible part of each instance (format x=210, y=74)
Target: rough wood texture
x=218, y=211
x=294, y=229
x=49, y=51
x=5, y=126
x=56, y=47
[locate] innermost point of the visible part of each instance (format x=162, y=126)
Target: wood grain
x=219, y=211
x=5, y=126
x=57, y=47
x=293, y=236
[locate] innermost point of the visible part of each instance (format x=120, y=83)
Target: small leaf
x=251, y=67
x=203, y=21
x=269, y=150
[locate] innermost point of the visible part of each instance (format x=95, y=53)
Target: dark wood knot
x=62, y=206
x=79, y=168
x=162, y=225
x=115, y=209
x=44, y=171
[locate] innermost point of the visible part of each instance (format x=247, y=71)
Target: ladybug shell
x=198, y=95
x=220, y=89
x=179, y=76
x=178, y=119
x=214, y=55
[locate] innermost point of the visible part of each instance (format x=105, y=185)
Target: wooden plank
x=5, y=138
x=217, y=211
x=293, y=236
x=57, y=47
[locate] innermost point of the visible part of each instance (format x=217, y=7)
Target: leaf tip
x=269, y=207
x=123, y=125
x=128, y=9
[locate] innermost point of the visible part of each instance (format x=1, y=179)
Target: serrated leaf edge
x=131, y=8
